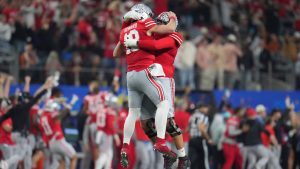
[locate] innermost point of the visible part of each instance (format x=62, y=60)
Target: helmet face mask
x=163, y=18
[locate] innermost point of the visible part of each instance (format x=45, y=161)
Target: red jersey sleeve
x=149, y=23
x=177, y=37
x=163, y=43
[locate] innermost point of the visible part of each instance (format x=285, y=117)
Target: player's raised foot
x=124, y=156
x=168, y=162
x=161, y=147
x=184, y=162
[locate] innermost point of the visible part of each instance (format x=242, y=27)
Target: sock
x=129, y=125
x=181, y=152
x=161, y=117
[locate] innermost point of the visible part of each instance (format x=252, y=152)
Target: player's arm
x=85, y=106
x=202, y=127
x=163, y=43
x=164, y=29
x=27, y=84
x=119, y=50
x=167, y=42
x=7, y=86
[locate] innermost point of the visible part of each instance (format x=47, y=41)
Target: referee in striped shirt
x=198, y=127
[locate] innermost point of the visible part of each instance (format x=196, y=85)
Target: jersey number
x=46, y=126
x=133, y=34
x=101, y=119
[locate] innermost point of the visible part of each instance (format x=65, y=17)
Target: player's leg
x=142, y=155
x=64, y=148
x=102, y=158
x=148, y=125
x=134, y=99
x=85, y=146
x=172, y=127
x=109, y=152
x=153, y=88
x=9, y=156
x=134, y=104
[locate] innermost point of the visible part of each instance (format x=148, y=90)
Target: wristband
x=173, y=17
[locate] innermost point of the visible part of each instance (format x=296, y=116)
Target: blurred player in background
x=106, y=137
x=165, y=48
x=140, y=79
x=19, y=114
x=93, y=107
x=51, y=128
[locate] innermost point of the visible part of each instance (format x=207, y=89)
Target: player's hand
x=172, y=14
x=210, y=141
x=131, y=15
x=9, y=78
x=245, y=128
x=2, y=78
x=74, y=99
x=27, y=79
x=130, y=43
x=49, y=83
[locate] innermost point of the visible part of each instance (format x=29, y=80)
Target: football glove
x=131, y=43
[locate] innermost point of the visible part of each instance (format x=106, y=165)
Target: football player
x=165, y=47
x=141, y=79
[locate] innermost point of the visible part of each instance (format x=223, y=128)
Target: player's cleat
x=168, y=162
x=184, y=162
x=161, y=147
x=124, y=156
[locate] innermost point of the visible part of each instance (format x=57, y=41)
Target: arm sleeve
x=163, y=43
x=6, y=116
x=264, y=130
x=149, y=23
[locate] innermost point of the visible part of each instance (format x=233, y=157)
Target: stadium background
x=77, y=37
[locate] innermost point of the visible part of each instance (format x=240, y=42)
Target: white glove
x=130, y=43
x=131, y=15
x=74, y=99
x=56, y=78
x=135, y=15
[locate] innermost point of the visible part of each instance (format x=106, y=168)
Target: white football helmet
x=164, y=18
x=142, y=8
x=52, y=106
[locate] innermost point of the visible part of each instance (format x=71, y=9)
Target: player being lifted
x=165, y=47
x=141, y=79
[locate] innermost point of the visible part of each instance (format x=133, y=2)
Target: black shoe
x=169, y=160
x=184, y=162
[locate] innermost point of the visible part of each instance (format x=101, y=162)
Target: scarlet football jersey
x=138, y=59
x=165, y=48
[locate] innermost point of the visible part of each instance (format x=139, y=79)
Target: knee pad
x=149, y=128
x=172, y=128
